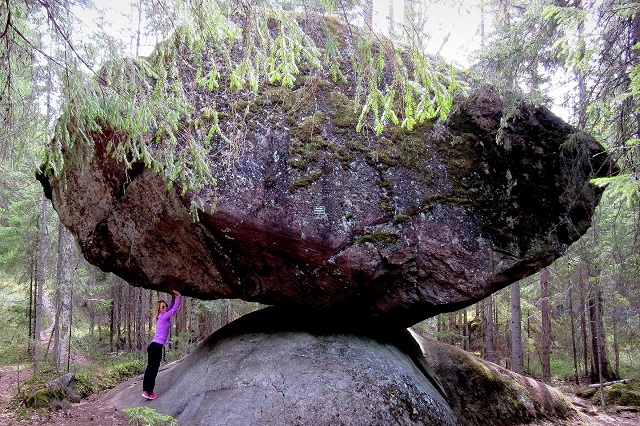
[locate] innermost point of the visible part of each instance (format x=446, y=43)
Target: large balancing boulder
x=278, y=367
x=314, y=204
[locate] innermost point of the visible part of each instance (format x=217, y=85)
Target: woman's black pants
x=153, y=365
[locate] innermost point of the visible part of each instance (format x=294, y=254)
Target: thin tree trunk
x=139, y=28
x=581, y=77
x=63, y=299
x=573, y=337
x=151, y=316
x=91, y=304
x=482, y=25
x=42, y=250
x=368, y=14
x=546, y=326
x=616, y=349
x=635, y=61
x=464, y=344
x=129, y=307
x=516, y=328
x=489, y=334
x=452, y=322
x=32, y=297
x=55, y=331
x=118, y=317
x=112, y=321
x=141, y=314
x=505, y=24
x=528, y=340
x=600, y=367
x=582, y=270
x=600, y=345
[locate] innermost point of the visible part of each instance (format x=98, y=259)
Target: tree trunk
x=64, y=284
x=516, y=328
x=61, y=303
x=635, y=61
x=600, y=344
x=580, y=74
x=33, y=270
x=464, y=338
x=546, y=326
x=616, y=349
x=582, y=271
x=528, y=340
x=573, y=337
x=452, y=322
x=42, y=250
x=368, y=14
x=139, y=28
x=141, y=315
x=505, y=25
x=601, y=367
x=489, y=333
x=129, y=307
x=118, y=318
x=112, y=321
x=152, y=312
x=91, y=304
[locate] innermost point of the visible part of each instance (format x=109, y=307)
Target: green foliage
x=14, y=322
x=94, y=380
x=571, y=46
x=418, y=90
x=145, y=416
x=623, y=188
x=121, y=106
x=151, y=119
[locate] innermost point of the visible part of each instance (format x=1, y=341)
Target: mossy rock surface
x=43, y=398
x=483, y=393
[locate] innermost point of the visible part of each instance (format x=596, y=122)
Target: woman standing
x=163, y=325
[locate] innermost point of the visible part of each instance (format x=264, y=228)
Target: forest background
x=576, y=321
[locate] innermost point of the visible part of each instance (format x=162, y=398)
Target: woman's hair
x=159, y=303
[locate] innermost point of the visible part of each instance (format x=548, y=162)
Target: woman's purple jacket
x=164, y=321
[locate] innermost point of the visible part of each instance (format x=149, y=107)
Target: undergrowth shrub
x=621, y=394
x=91, y=381
x=144, y=416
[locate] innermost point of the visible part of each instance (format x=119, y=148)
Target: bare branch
x=34, y=47
x=62, y=33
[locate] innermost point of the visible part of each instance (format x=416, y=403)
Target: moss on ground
x=622, y=394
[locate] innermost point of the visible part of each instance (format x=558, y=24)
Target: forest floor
x=91, y=412
x=86, y=412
